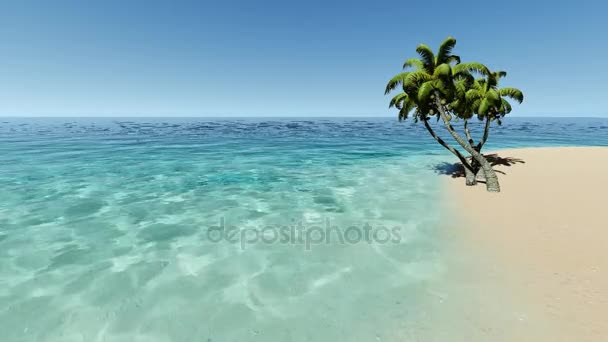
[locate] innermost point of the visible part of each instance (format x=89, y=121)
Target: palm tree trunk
x=492, y=184
x=466, y=131
x=463, y=160
x=476, y=167
x=486, y=132
x=470, y=177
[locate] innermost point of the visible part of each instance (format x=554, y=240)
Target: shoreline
x=543, y=239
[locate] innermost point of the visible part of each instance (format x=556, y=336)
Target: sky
x=286, y=58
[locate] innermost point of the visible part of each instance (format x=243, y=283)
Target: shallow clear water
x=228, y=230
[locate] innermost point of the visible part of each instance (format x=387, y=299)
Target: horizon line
x=269, y=117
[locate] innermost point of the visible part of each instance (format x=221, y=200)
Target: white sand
x=547, y=234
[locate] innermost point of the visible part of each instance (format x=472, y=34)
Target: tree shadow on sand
x=456, y=170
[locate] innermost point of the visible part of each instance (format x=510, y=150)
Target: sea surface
x=195, y=229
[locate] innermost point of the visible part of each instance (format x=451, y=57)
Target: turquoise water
x=228, y=230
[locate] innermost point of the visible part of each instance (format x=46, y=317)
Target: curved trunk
x=492, y=184
x=486, y=132
x=474, y=164
x=465, y=163
x=468, y=134
x=479, y=173
x=476, y=167
x=470, y=177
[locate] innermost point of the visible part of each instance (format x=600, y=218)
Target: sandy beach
x=545, y=234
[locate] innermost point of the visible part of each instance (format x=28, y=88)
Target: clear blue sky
x=286, y=58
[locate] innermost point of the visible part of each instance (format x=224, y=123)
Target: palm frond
x=475, y=104
x=404, y=112
x=445, y=50
x=416, y=78
x=415, y=63
x=513, y=93
x=492, y=96
x=506, y=106
x=484, y=107
x=397, y=100
x=480, y=82
x=454, y=82
x=427, y=57
x=453, y=59
x=472, y=95
x=461, y=87
x=443, y=71
x=471, y=67
x=425, y=91
x=465, y=76
x=500, y=74
x=395, y=82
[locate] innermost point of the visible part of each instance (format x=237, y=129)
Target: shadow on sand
x=456, y=170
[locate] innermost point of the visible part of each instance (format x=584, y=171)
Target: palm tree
x=434, y=88
x=413, y=98
x=489, y=102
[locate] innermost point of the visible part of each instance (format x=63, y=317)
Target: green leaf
x=461, y=88
x=413, y=63
x=427, y=57
x=425, y=91
x=453, y=59
x=407, y=108
x=484, y=107
x=443, y=71
x=492, y=97
x=506, y=106
x=471, y=67
x=397, y=100
x=445, y=51
x=472, y=95
x=416, y=78
x=395, y=82
x=513, y=93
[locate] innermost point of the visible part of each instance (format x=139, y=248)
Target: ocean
x=252, y=229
